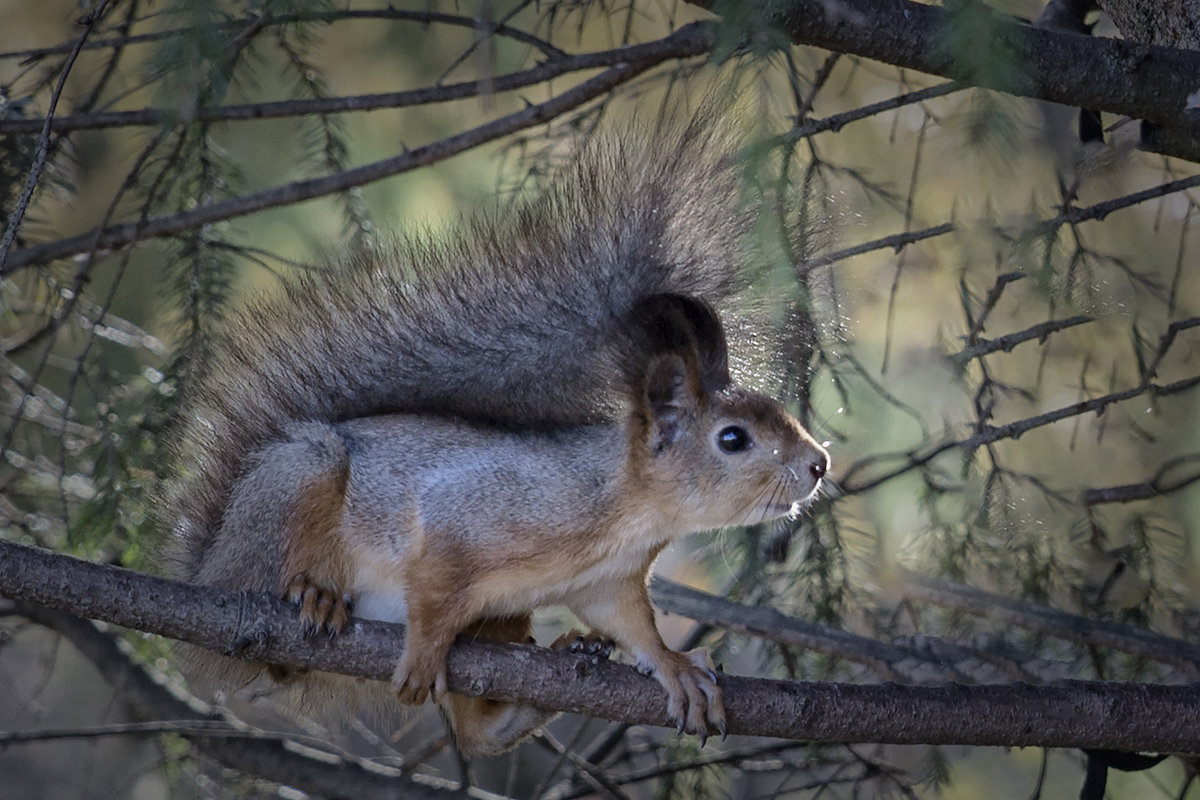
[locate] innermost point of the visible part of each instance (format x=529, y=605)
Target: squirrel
x=452, y=435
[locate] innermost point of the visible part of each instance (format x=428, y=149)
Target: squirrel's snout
x=819, y=465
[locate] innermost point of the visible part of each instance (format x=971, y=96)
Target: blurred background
x=993, y=330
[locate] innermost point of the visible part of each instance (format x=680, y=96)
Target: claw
x=596, y=647
x=416, y=679
x=321, y=608
x=694, y=702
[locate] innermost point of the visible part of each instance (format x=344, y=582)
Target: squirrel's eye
x=733, y=439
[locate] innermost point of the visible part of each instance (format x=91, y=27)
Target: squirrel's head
x=715, y=454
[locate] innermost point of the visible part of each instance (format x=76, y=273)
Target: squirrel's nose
x=820, y=465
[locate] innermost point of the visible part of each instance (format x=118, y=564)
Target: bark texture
x=1170, y=23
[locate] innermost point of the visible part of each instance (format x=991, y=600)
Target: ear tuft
x=688, y=327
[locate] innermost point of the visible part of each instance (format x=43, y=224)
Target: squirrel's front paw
x=417, y=677
x=321, y=608
x=694, y=702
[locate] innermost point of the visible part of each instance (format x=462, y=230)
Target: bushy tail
x=514, y=320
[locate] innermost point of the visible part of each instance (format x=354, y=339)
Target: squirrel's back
x=515, y=320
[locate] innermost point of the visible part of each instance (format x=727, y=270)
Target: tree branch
x=13, y=224
x=986, y=434
x=1072, y=714
x=1122, y=77
x=768, y=623
x=942, y=660
x=687, y=41
x=1165, y=481
x=331, y=774
x=1006, y=343
x=1043, y=619
x=1043, y=228
x=657, y=51
x=231, y=25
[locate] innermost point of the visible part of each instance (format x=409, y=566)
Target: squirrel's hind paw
x=584, y=644
x=321, y=608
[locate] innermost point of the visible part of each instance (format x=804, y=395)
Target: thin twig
x=39, y=162
x=989, y=303
x=1006, y=343
x=688, y=41
x=541, y=73
x=895, y=242
x=1157, y=486
x=838, y=121
x=1101, y=210
x=422, y=17
x=989, y=434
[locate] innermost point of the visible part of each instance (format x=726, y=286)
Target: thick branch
x=1122, y=77
x=1074, y=714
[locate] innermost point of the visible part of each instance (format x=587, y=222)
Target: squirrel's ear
x=666, y=395
x=688, y=326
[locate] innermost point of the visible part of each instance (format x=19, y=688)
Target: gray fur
x=514, y=321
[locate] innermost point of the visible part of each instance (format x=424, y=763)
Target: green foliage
x=324, y=141
x=699, y=784
x=195, y=66
x=746, y=28
x=17, y=152
x=977, y=46
x=119, y=516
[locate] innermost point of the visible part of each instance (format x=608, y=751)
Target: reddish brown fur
x=479, y=711
x=315, y=572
